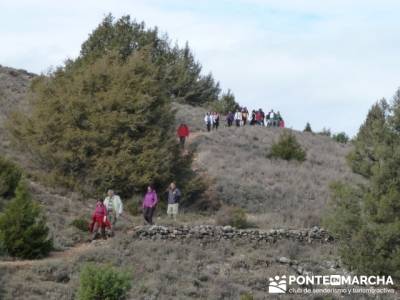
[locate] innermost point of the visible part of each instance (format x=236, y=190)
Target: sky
x=323, y=62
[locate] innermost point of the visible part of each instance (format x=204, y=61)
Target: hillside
x=284, y=194
x=13, y=88
x=61, y=206
x=193, y=258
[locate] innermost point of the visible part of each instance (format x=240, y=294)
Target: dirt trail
x=56, y=255
x=193, y=136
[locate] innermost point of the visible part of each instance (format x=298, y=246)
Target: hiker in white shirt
x=114, y=206
x=238, y=118
x=208, y=121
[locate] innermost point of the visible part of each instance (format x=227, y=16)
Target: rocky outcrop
x=209, y=232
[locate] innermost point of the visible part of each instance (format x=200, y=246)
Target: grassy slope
x=198, y=270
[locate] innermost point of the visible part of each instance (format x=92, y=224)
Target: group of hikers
x=109, y=210
x=242, y=117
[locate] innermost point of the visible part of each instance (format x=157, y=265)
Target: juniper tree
x=23, y=229
x=308, y=128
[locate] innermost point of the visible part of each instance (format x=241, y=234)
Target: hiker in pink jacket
x=149, y=204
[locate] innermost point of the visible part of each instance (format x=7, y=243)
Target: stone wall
x=209, y=232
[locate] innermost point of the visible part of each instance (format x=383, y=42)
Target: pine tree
x=365, y=219
x=370, y=139
x=228, y=102
x=23, y=229
x=308, y=128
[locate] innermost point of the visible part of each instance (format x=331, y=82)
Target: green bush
x=103, y=282
x=233, y=216
x=246, y=296
x=133, y=206
x=341, y=137
x=81, y=223
x=23, y=229
x=287, y=148
x=10, y=175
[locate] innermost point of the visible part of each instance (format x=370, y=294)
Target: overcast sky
x=325, y=62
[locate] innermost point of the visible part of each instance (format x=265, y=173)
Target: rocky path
x=56, y=255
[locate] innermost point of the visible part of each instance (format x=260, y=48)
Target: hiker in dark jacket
x=253, y=117
x=229, y=118
x=174, y=196
x=262, y=116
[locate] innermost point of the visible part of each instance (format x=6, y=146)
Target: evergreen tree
x=180, y=72
x=370, y=139
x=23, y=229
x=107, y=124
x=367, y=222
x=105, y=119
x=308, y=128
x=341, y=137
x=10, y=175
x=226, y=103
x=287, y=148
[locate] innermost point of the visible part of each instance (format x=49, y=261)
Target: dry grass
x=166, y=270
x=288, y=194
x=174, y=270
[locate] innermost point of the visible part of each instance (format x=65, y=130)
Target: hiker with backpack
x=229, y=119
x=174, y=196
x=262, y=117
x=114, y=207
x=245, y=115
x=99, y=220
x=208, y=121
x=183, y=133
x=258, y=117
x=150, y=201
x=238, y=118
x=253, y=118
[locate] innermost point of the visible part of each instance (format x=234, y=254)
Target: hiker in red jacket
x=99, y=220
x=183, y=133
